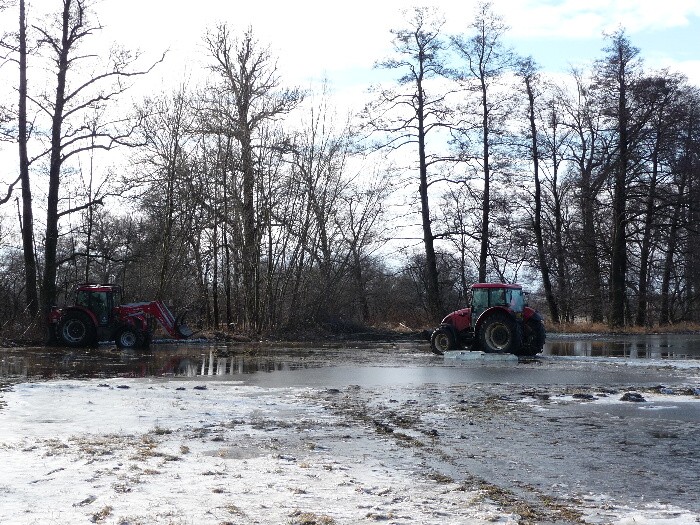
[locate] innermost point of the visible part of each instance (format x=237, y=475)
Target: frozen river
x=594, y=430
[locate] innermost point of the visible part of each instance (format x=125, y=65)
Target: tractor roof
x=497, y=285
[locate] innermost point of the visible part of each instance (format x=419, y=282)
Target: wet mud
x=548, y=454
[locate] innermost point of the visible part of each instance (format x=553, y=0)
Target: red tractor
x=498, y=320
x=97, y=315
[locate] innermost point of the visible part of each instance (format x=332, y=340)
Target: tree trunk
x=537, y=220
x=621, y=56
x=249, y=248
x=486, y=199
x=49, y=290
x=644, y=256
x=432, y=285
x=30, y=281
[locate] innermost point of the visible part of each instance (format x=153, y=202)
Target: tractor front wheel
x=76, y=329
x=442, y=340
x=535, y=336
x=500, y=332
x=128, y=338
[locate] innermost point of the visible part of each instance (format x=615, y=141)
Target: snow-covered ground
x=138, y=451
x=206, y=450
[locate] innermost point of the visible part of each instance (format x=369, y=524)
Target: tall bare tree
x=487, y=60
x=30, y=274
x=74, y=95
x=585, y=152
x=617, y=72
x=529, y=74
x=409, y=115
x=15, y=49
x=249, y=76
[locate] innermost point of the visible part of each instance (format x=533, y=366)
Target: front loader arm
x=161, y=313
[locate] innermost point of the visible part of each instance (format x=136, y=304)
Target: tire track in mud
x=433, y=435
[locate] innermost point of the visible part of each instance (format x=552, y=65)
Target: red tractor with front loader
x=498, y=320
x=98, y=315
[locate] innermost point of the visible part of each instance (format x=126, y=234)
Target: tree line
x=256, y=206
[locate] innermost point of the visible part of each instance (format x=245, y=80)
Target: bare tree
x=166, y=135
x=529, y=74
x=15, y=50
x=585, y=152
x=555, y=137
x=661, y=96
x=362, y=231
x=617, y=73
x=486, y=61
x=408, y=117
x=249, y=76
x=73, y=96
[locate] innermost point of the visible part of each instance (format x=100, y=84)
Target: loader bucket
x=181, y=328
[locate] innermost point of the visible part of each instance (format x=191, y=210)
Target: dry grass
x=101, y=515
x=310, y=518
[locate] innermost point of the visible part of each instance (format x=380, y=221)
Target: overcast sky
x=342, y=40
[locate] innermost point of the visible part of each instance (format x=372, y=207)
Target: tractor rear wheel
x=500, y=332
x=442, y=340
x=76, y=329
x=534, y=338
x=128, y=338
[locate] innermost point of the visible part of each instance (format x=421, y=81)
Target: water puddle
x=161, y=361
x=391, y=363
x=658, y=346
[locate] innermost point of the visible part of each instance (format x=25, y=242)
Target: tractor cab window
x=480, y=299
x=483, y=298
x=516, y=300
x=100, y=307
x=97, y=302
x=83, y=299
x=497, y=297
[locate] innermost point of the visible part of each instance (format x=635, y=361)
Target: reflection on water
x=13, y=366
x=213, y=365
x=226, y=362
x=658, y=346
x=22, y=363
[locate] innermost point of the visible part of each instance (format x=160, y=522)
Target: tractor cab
x=490, y=295
x=100, y=300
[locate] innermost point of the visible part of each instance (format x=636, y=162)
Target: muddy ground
x=342, y=434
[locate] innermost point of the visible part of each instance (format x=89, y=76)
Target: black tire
x=442, y=340
x=500, y=332
x=128, y=338
x=76, y=330
x=534, y=337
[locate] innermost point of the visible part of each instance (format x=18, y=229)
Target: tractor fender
x=81, y=309
x=487, y=313
x=531, y=313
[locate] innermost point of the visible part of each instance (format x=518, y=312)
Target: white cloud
x=576, y=19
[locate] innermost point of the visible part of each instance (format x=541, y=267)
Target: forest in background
x=258, y=207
